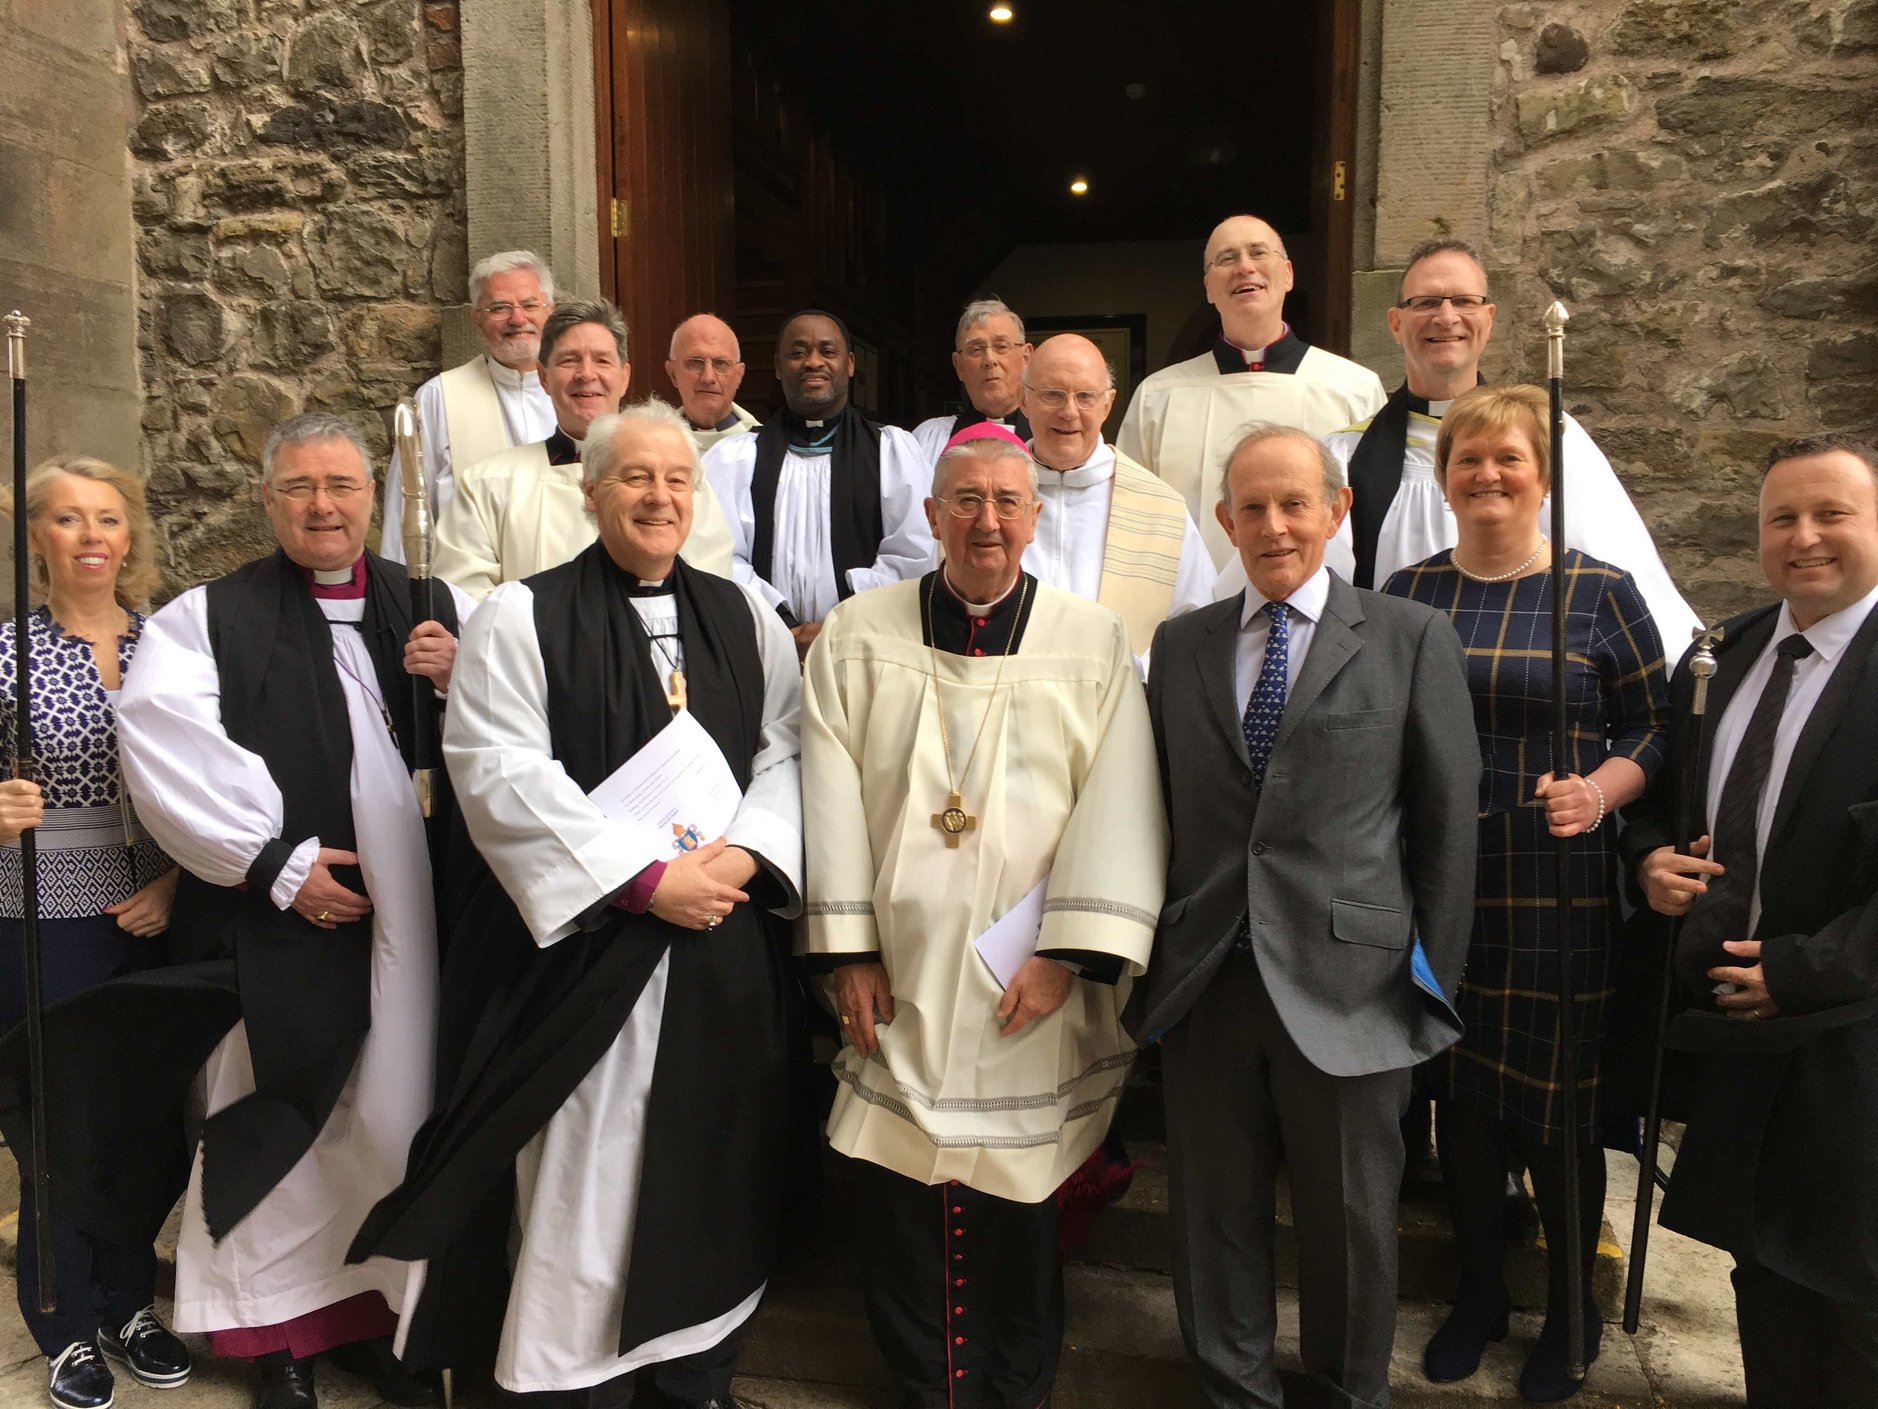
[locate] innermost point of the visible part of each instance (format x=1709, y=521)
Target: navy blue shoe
x=1453, y=1352
x=148, y=1349
x=78, y=1378
x=1544, y=1379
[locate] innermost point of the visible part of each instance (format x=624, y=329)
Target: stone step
x=1134, y=1233
x=1122, y=1350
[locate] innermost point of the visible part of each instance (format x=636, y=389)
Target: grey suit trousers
x=1240, y=1099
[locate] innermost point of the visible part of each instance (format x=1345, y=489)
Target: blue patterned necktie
x=1266, y=704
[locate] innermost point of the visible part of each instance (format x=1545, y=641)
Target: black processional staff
x=426, y=749
x=1702, y=669
x=23, y=768
x=1573, y=1251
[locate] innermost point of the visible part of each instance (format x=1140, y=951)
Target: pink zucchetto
x=986, y=430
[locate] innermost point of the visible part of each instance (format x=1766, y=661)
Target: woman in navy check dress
x=1498, y=1092
x=104, y=887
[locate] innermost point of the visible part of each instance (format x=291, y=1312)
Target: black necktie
x=1723, y=912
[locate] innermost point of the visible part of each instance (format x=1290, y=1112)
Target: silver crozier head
x=416, y=528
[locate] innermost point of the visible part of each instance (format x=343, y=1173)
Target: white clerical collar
x=334, y=577
x=1438, y=409
x=1100, y=466
x=1830, y=634
x=1257, y=354
x=509, y=377
x=976, y=608
x=1309, y=600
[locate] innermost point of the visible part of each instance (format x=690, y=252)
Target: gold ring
x=845, y=1019
x=714, y=922
x=324, y=916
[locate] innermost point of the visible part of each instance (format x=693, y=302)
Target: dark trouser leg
x=696, y=1378
x=74, y=955
x=1800, y=1349
x=125, y=1276
x=1222, y=1149
x=1547, y=1166
x=963, y=1290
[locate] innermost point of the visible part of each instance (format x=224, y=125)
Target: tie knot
x=1280, y=612
x=1795, y=647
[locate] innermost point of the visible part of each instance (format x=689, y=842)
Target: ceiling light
x=1002, y=14
x=1079, y=187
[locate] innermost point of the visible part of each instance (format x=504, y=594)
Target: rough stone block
x=169, y=72
x=1823, y=203
x=1733, y=107
x=197, y=327
x=1850, y=355
x=248, y=409
x=291, y=333
x=1848, y=404
x=164, y=20
x=170, y=130
x=360, y=251
x=1561, y=49
x=326, y=56
x=1545, y=113
x=1694, y=29
x=392, y=333
x=1748, y=382
x=1844, y=296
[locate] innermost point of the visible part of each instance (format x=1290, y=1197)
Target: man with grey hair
x=1185, y=418
x=989, y=353
x=492, y=401
x=625, y=1105
x=523, y=510
x=706, y=365
x=986, y=851
x=1442, y=319
x=268, y=738
x=1302, y=971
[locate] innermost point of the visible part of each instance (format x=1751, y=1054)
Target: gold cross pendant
x=676, y=697
x=954, y=821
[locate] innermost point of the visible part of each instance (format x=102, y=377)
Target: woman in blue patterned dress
x=104, y=887
x=1497, y=1091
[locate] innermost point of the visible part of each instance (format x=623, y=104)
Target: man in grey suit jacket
x=1321, y=774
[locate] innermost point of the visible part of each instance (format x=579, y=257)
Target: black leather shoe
x=373, y=1362
x=145, y=1347
x=78, y=1378
x=286, y=1384
x=1453, y=1352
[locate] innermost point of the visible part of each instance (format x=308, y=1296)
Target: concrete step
x=1134, y=1233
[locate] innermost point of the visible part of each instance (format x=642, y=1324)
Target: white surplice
x=741, y=423
x=527, y=415
x=212, y=805
x=558, y=855
x=1183, y=421
x=803, y=569
x=1600, y=521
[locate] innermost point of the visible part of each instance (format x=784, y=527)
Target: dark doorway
x=886, y=161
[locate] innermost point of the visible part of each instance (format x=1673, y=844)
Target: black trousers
x=964, y=1290
x=1801, y=1350
x=98, y=1283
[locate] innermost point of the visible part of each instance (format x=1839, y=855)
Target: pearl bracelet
x=1600, y=817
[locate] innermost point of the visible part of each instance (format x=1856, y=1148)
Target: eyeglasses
x=529, y=307
x=1002, y=347
x=970, y=506
x=300, y=491
x=1056, y=398
x=1257, y=254
x=1431, y=303
x=696, y=365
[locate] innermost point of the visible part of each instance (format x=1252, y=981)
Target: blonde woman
x=104, y=887
x=1497, y=1091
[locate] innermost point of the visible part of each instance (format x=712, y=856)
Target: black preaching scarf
x=1283, y=354
x=1376, y=474
x=521, y=1026
x=855, y=525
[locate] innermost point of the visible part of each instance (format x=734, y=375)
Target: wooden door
x=667, y=188
x=1333, y=169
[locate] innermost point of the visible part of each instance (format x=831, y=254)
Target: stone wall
x=298, y=171
x=1698, y=180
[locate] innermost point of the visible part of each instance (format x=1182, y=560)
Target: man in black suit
x=1779, y=1165
x=1321, y=775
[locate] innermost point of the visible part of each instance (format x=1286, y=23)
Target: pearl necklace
x=1498, y=577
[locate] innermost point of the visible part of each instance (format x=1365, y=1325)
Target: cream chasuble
x=1185, y=419
x=515, y=515
x=1065, y=787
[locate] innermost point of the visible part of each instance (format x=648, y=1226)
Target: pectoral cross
x=955, y=821
x=675, y=697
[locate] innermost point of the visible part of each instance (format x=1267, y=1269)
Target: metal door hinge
x=619, y=217
x=1338, y=172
